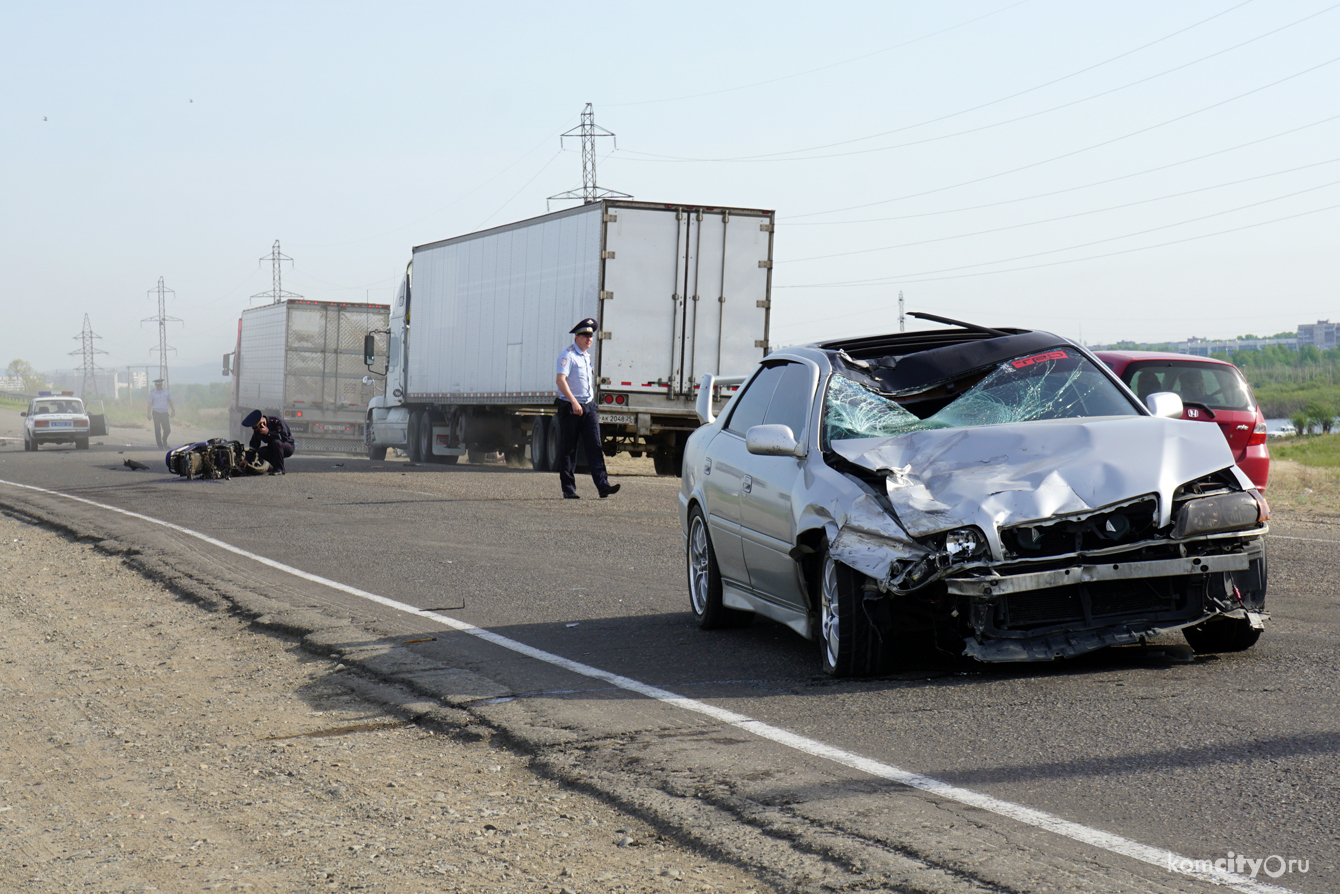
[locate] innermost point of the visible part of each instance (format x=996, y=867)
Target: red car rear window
x=1211, y=385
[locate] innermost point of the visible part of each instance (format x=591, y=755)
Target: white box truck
x=304, y=360
x=478, y=323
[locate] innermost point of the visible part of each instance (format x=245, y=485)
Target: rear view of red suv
x=1211, y=391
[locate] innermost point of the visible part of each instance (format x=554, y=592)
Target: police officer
x=577, y=416
x=270, y=438
x=160, y=411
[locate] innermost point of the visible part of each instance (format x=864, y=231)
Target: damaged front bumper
x=1064, y=612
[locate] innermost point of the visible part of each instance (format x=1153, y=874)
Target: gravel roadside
x=157, y=745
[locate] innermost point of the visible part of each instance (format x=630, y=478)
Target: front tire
x=376, y=453
x=1222, y=635
x=849, y=643
x=705, y=580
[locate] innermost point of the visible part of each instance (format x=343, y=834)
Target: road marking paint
x=1116, y=844
x=1307, y=539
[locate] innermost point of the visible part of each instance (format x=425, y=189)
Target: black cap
x=252, y=418
x=585, y=327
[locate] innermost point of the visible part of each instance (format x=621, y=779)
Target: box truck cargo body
x=304, y=360
x=478, y=322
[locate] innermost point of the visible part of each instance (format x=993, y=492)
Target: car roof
x=915, y=359
x=1125, y=357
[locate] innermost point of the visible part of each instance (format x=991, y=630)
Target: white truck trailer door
x=684, y=294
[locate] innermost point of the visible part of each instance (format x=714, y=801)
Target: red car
x=1211, y=391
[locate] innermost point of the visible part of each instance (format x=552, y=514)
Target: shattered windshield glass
x=1056, y=384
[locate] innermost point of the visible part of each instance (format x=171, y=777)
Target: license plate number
x=617, y=418
x=62, y=423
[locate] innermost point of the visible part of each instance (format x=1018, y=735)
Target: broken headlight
x=1218, y=513
x=948, y=552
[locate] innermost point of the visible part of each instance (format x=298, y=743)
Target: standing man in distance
x=577, y=416
x=160, y=411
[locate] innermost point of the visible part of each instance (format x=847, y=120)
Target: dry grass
x=1303, y=490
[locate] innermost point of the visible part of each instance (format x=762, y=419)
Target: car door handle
x=707, y=466
x=748, y=483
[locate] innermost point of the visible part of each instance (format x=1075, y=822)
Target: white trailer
x=479, y=321
x=304, y=360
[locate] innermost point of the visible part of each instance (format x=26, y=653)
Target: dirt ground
x=156, y=745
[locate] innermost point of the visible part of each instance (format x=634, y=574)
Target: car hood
x=997, y=475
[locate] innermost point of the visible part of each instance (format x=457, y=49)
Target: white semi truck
x=478, y=323
x=304, y=360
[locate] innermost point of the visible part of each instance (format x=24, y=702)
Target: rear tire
x=539, y=444
x=704, y=580
x=663, y=461
x=412, y=437
x=426, y=439
x=81, y=444
x=553, y=445
x=849, y=644
x=376, y=453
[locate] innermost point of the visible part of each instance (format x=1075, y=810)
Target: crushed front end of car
x=1028, y=520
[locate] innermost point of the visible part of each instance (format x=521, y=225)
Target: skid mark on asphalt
x=1116, y=844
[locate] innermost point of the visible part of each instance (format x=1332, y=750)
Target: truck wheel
x=539, y=444
x=554, y=445
x=663, y=461
x=376, y=453
x=426, y=439
x=412, y=438
x=81, y=444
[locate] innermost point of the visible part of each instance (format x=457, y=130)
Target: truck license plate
x=617, y=418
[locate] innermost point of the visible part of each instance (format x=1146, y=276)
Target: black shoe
x=612, y=489
x=572, y=496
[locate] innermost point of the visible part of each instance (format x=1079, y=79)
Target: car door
x=724, y=472
x=767, y=518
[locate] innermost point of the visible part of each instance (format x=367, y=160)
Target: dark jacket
x=278, y=432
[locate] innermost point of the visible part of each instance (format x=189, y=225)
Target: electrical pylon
x=277, y=294
x=89, y=367
x=162, y=320
x=588, y=130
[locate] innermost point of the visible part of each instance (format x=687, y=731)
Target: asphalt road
x=1200, y=755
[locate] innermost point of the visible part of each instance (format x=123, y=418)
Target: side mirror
x=24, y=413
x=227, y=364
x=369, y=349
x=772, y=440
x=1164, y=403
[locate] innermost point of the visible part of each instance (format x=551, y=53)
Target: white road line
x=1155, y=856
x=1307, y=539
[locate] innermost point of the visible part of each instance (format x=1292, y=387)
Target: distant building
x=1204, y=347
x=1320, y=335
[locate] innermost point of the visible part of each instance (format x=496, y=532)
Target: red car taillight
x=1258, y=434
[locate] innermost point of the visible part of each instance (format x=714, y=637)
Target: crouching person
x=270, y=438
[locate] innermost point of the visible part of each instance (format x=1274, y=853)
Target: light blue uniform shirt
x=159, y=400
x=576, y=365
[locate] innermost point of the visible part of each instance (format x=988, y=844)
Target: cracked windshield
x=1058, y=384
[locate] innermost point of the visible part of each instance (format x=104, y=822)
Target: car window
x=791, y=400
x=1210, y=385
x=1056, y=384
x=751, y=405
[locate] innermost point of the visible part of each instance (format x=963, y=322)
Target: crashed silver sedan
x=997, y=493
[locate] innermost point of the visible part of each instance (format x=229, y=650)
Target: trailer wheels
x=539, y=444
x=554, y=448
x=376, y=453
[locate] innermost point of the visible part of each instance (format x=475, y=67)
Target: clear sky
x=1140, y=170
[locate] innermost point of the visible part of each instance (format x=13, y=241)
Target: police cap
x=252, y=419
x=585, y=327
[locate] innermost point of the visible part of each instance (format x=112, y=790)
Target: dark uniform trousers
x=585, y=427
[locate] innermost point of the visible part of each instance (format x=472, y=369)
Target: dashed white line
x=1116, y=844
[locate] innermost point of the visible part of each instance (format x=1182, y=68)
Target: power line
x=277, y=294
x=162, y=320
x=89, y=368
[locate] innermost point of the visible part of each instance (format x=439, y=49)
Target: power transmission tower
x=89, y=368
x=277, y=258
x=902, y=321
x=588, y=130
x=162, y=320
